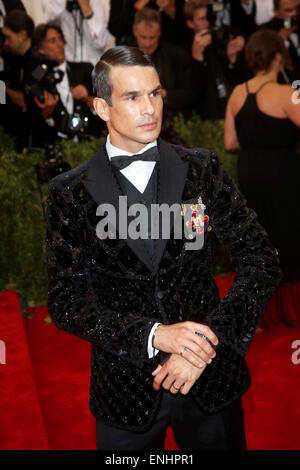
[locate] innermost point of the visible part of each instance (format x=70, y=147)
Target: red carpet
x=272, y=406
x=61, y=371
x=61, y=365
x=21, y=423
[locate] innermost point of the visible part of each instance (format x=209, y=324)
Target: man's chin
x=148, y=134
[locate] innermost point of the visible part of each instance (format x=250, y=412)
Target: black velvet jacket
x=109, y=293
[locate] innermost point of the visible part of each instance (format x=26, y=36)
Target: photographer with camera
x=84, y=26
x=217, y=55
x=61, y=90
x=122, y=13
x=287, y=22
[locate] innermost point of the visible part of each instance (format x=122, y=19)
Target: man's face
x=147, y=36
x=13, y=41
x=287, y=8
x=135, y=117
x=54, y=46
x=199, y=21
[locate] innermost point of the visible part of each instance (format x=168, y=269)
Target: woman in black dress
x=263, y=122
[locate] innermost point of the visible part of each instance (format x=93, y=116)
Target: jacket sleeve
x=254, y=259
x=70, y=301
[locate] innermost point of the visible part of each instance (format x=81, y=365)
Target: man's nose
x=148, y=42
x=147, y=106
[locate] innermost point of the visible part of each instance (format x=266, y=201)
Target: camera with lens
x=43, y=78
x=221, y=35
x=288, y=22
x=53, y=164
x=73, y=124
x=216, y=9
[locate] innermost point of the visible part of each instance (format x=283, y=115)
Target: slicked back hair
x=116, y=56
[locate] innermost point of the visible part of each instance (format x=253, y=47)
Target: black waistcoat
x=144, y=247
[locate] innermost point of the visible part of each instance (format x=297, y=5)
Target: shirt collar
x=62, y=67
x=113, y=151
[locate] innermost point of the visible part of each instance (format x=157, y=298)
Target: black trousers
x=193, y=429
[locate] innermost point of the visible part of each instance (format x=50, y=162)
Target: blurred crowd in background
x=198, y=47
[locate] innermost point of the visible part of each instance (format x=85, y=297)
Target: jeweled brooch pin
x=196, y=216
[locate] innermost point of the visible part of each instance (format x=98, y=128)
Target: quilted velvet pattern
x=99, y=290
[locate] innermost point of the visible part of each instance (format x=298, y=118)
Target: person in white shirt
x=264, y=11
x=84, y=26
x=74, y=91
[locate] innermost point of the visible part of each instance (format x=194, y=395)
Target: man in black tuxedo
x=165, y=349
x=287, y=22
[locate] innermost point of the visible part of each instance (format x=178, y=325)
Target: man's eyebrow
x=138, y=92
x=130, y=93
x=158, y=88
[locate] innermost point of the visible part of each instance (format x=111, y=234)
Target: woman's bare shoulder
x=237, y=97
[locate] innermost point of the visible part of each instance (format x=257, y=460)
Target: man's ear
x=101, y=108
x=23, y=35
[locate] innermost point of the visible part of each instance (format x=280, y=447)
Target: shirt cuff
x=151, y=350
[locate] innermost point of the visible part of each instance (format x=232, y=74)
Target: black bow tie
x=122, y=161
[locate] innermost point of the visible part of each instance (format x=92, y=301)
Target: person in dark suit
x=74, y=91
x=286, y=22
x=122, y=12
x=243, y=15
x=165, y=348
x=218, y=59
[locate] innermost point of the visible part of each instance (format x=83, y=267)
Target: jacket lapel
x=100, y=181
x=102, y=185
x=171, y=182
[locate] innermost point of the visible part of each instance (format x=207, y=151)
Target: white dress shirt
x=64, y=90
x=85, y=38
x=139, y=174
x=264, y=11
